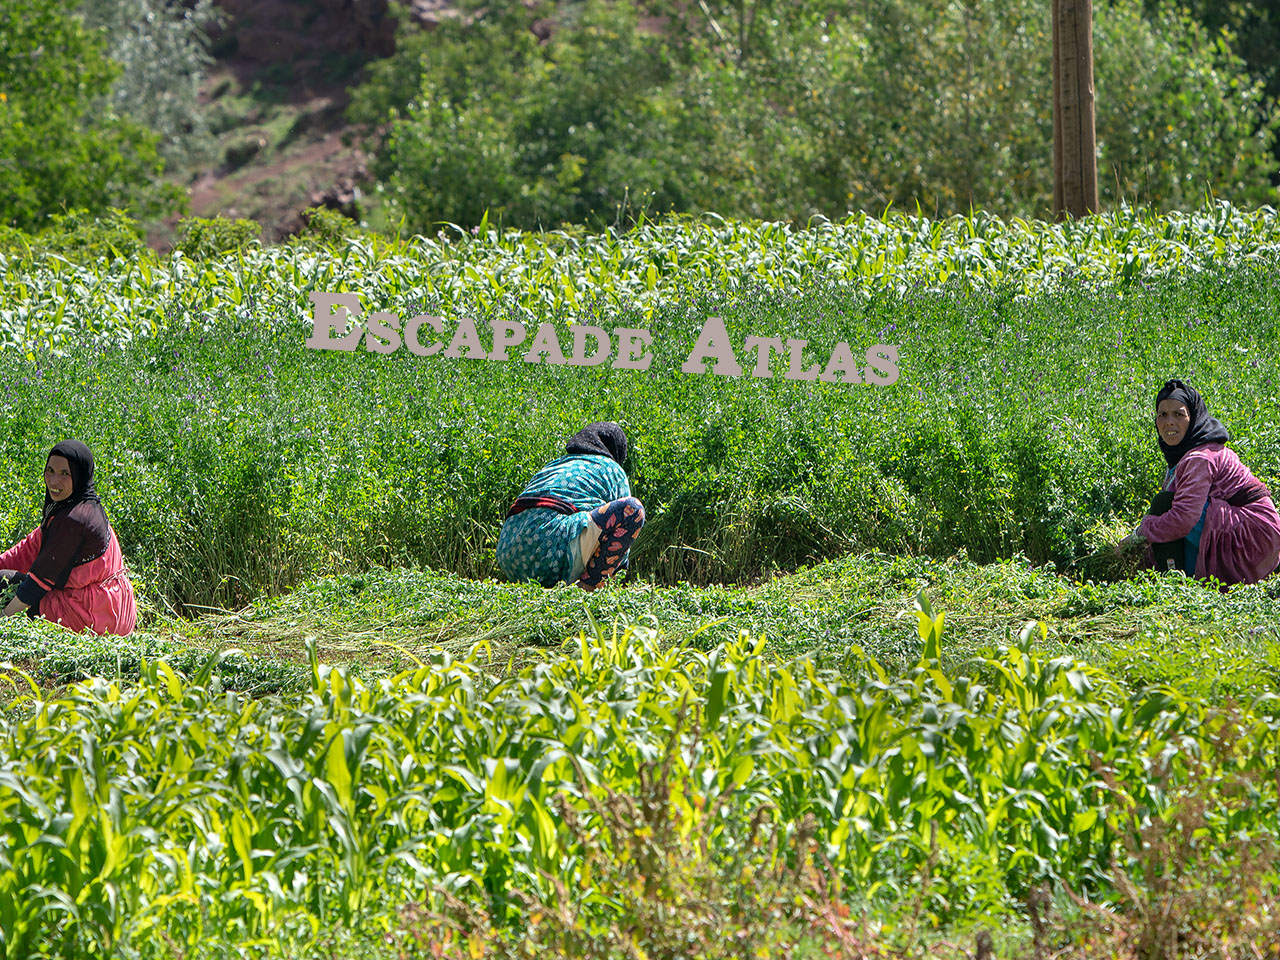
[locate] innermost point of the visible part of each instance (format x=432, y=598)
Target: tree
x=788, y=110
x=1178, y=114
x=62, y=146
x=1075, y=159
x=162, y=50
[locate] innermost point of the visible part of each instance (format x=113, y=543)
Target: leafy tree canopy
x=62, y=146
x=786, y=110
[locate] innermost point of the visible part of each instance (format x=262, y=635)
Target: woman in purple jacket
x=1213, y=517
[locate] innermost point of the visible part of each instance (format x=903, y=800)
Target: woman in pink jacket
x=70, y=568
x=1213, y=517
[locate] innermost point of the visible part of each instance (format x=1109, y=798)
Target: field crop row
x=145, y=817
x=173, y=815
x=48, y=303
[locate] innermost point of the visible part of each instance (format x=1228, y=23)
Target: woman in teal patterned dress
x=576, y=520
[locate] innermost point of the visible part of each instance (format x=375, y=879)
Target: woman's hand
x=8, y=589
x=1132, y=541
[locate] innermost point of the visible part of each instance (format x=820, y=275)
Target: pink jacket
x=1237, y=544
x=97, y=594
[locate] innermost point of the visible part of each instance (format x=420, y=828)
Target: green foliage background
x=62, y=146
x=786, y=111
x=755, y=109
x=162, y=51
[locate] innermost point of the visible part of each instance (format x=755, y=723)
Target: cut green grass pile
x=1154, y=629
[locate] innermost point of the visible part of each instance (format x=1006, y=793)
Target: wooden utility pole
x=1075, y=161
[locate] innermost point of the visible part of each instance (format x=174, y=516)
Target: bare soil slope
x=276, y=96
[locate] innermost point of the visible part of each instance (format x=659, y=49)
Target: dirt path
x=278, y=95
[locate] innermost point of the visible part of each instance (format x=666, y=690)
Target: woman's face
x=1172, y=421
x=57, y=478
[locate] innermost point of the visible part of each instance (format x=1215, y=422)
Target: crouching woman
x=1213, y=517
x=69, y=569
x=576, y=519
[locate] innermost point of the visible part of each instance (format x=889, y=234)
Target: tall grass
x=236, y=462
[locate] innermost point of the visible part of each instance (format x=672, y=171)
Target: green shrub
x=162, y=50
x=570, y=132
x=200, y=238
x=82, y=236
x=326, y=227
x=14, y=242
x=1177, y=116
x=61, y=144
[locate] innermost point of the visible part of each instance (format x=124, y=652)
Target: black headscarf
x=81, y=462
x=1202, y=429
x=603, y=439
x=73, y=531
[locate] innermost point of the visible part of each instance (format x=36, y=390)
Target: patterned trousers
x=619, y=522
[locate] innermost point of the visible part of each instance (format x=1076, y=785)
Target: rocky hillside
x=276, y=97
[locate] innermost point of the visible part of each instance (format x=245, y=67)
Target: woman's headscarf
x=1202, y=429
x=74, y=530
x=81, y=462
x=604, y=439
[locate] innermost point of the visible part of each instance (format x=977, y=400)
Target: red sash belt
x=541, y=503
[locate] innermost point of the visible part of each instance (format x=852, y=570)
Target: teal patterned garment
x=538, y=544
x=1192, y=550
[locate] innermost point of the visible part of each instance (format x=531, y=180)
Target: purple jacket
x=1237, y=544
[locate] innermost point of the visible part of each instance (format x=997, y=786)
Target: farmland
x=820, y=659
